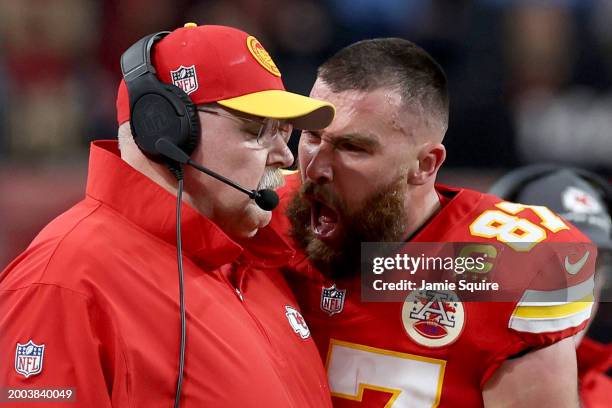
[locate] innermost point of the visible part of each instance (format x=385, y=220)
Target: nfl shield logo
x=332, y=299
x=29, y=358
x=185, y=78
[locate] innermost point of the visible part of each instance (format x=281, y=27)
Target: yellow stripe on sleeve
x=557, y=311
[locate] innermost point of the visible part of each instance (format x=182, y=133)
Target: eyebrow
x=357, y=138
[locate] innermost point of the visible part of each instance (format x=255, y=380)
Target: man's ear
x=430, y=158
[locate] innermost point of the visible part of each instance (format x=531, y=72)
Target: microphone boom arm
x=251, y=193
x=266, y=199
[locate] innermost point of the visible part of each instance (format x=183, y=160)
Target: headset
x=165, y=122
x=162, y=112
x=166, y=128
x=157, y=110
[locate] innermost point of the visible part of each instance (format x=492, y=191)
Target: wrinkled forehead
x=380, y=111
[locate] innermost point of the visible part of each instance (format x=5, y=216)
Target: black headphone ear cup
x=191, y=136
x=153, y=115
x=157, y=110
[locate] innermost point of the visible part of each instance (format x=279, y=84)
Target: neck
x=159, y=173
x=421, y=206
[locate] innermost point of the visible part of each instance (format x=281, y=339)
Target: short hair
x=393, y=63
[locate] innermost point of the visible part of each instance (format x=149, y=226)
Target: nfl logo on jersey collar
x=29, y=358
x=332, y=299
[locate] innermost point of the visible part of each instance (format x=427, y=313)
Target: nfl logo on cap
x=185, y=78
x=29, y=358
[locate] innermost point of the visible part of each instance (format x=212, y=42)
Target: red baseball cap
x=228, y=66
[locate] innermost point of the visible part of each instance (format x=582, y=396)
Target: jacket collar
x=145, y=203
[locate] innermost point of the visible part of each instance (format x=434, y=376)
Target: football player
x=585, y=199
x=369, y=177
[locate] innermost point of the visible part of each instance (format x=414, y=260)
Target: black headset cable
x=177, y=170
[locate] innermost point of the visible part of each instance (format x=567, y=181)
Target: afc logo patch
x=29, y=358
x=332, y=299
x=433, y=318
x=185, y=78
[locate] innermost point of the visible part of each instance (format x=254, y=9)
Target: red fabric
x=377, y=329
x=224, y=65
x=594, y=361
x=99, y=288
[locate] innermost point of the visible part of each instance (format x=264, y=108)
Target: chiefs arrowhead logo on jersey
x=433, y=318
x=332, y=299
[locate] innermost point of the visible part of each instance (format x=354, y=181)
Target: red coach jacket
x=92, y=305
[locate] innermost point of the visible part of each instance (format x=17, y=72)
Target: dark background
x=529, y=81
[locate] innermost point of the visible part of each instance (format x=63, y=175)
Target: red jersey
x=92, y=305
x=375, y=354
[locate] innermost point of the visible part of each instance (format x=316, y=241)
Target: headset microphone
x=265, y=199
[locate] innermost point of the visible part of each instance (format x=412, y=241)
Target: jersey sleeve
x=53, y=338
x=558, y=301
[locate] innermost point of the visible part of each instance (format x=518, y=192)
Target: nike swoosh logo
x=574, y=268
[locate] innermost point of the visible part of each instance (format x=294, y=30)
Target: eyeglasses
x=269, y=128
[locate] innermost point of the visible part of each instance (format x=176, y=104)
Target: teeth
x=325, y=219
x=314, y=216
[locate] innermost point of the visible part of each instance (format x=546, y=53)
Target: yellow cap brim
x=303, y=112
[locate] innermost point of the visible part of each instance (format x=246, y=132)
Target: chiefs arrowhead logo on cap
x=261, y=55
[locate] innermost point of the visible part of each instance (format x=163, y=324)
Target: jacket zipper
x=240, y=296
x=263, y=331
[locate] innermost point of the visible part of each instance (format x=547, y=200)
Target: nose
x=280, y=155
x=319, y=167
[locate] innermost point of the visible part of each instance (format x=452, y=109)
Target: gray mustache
x=272, y=179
